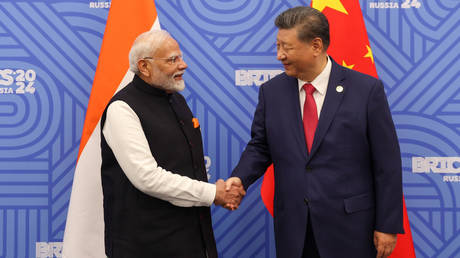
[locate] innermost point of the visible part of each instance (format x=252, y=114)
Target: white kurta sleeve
x=124, y=135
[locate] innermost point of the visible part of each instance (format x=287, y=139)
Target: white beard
x=173, y=85
x=166, y=83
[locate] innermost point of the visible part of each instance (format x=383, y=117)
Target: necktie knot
x=309, y=89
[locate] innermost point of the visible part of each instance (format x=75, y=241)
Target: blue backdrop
x=48, y=56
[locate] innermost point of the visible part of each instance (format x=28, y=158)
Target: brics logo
x=254, y=77
x=48, y=249
x=17, y=81
x=439, y=165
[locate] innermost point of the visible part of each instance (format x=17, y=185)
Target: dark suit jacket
x=350, y=184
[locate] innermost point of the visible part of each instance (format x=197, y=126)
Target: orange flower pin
x=195, y=122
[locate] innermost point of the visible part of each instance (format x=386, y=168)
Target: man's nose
x=182, y=64
x=280, y=55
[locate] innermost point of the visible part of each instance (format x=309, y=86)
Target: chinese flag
x=350, y=48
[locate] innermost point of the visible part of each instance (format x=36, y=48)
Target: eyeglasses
x=170, y=60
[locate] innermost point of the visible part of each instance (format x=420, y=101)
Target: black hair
x=310, y=24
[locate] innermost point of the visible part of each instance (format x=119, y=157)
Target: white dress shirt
x=124, y=135
x=320, y=84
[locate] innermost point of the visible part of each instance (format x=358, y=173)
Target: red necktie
x=310, y=115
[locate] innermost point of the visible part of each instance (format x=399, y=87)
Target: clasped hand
x=229, y=193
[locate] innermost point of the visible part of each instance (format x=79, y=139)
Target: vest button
x=305, y=200
x=308, y=169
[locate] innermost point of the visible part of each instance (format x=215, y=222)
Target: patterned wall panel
x=48, y=56
x=416, y=52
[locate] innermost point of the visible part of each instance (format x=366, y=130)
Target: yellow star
x=333, y=4
x=347, y=66
x=369, y=53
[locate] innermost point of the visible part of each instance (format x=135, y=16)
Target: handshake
x=229, y=193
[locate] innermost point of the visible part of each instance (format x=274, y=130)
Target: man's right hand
x=234, y=183
x=229, y=195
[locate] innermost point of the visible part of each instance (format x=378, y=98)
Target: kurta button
x=308, y=169
x=305, y=200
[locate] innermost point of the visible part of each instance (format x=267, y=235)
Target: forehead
x=287, y=36
x=168, y=47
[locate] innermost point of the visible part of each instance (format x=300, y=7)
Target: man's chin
x=176, y=86
x=179, y=85
x=290, y=72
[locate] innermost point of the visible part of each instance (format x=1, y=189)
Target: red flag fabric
x=267, y=190
x=345, y=23
x=405, y=244
x=349, y=42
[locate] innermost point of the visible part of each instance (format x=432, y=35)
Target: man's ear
x=317, y=45
x=142, y=65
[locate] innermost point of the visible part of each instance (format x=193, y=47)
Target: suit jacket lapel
x=331, y=104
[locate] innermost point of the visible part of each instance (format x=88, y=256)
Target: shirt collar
x=321, y=81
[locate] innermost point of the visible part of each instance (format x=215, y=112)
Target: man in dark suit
x=329, y=133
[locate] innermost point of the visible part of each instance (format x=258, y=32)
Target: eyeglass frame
x=172, y=60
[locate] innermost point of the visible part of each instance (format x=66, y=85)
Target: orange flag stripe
x=113, y=58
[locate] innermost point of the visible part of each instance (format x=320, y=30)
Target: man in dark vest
x=156, y=194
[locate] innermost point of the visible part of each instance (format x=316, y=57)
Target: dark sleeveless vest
x=139, y=225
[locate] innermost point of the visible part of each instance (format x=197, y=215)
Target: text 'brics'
x=48, y=249
x=254, y=77
x=438, y=165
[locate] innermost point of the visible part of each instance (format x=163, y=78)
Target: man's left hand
x=384, y=243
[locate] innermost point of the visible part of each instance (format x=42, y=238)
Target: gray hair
x=310, y=24
x=145, y=45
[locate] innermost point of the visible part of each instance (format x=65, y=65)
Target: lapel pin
x=339, y=89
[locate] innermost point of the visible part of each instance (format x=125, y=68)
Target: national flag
x=346, y=22
x=84, y=232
